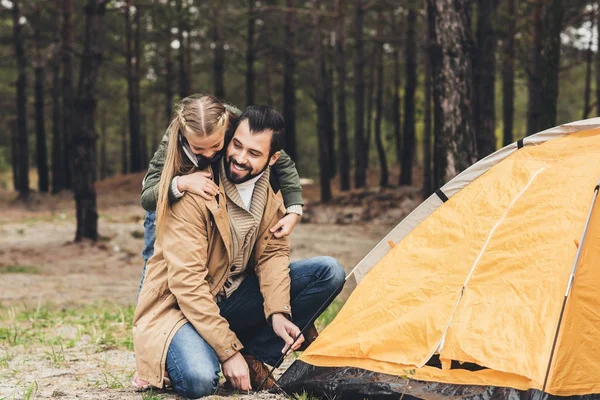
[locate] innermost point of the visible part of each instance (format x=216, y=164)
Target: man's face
x=248, y=154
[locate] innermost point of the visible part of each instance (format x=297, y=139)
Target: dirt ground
x=54, y=355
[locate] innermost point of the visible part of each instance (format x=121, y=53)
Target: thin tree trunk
x=551, y=62
x=124, y=150
x=436, y=59
x=188, y=60
x=341, y=99
x=41, y=149
x=134, y=119
x=598, y=59
x=454, y=81
x=383, y=169
x=250, y=53
x=21, y=140
x=219, y=54
x=58, y=160
x=183, y=78
x=14, y=155
x=588, y=72
x=427, y=170
x=85, y=137
x=408, y=149
x=103, y=164
x=396, y=117
x=360, y=159
x=329, y=94
x=169, y=78
x=289, y=83
x=535, y=99
x=143, y=149
x=68, y=91
x=321, y=103
x=370, y=118
x=508, y=75
x=484, y=74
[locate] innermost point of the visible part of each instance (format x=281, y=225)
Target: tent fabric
x=482, y=277
x=458, y=183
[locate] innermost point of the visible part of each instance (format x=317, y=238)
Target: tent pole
x=570, y=284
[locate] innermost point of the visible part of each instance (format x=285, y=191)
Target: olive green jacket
x=284, y=171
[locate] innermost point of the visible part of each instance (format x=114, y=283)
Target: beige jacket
x=191, y=263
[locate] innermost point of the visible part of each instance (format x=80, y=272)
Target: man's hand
x=198, y=183
x=285, y=226
x=285, y=329
x=235, y=370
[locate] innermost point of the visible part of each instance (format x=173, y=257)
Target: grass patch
x=329, y=314
x=107, y=325
x=149, y=395
x=19, y=269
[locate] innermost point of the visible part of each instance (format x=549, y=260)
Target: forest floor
x=66, y=308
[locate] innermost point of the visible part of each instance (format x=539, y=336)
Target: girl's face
x=206, y=146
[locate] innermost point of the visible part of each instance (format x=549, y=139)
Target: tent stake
x=570, y=284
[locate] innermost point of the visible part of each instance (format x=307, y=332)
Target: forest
x=406, y=88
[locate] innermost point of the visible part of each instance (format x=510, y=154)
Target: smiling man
x=221, y=291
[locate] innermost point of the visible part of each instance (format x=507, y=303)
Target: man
x=220, y=289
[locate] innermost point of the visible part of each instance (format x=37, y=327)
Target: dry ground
x=66, y=308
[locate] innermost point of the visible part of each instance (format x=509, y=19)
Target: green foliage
x=329, y=314
x=19, y=269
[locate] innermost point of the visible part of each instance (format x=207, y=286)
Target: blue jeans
x=149, y=239
x=193, y=366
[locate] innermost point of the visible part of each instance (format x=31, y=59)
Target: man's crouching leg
x=192, y=365
x=314, y=284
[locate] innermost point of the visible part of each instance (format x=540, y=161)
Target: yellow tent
x=476, y=278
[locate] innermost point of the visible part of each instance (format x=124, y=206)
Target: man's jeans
x=149, y=238
x=192, y=364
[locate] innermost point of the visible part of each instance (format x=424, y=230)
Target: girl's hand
x=198, y=183
x=285, y=226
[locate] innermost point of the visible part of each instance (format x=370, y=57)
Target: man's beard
x=204, y=162
x=229, y=165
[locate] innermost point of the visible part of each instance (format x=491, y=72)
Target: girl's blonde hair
x=198, y=115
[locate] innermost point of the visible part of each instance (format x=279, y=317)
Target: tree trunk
x=321, y=103
x=68, y=91
x=597, y=60
x=41, y=149
x=408, y=149
x=21, y=139
x=396, y=104
x=124, y=150
x=484, y=74
x=340, y=63
x=454, y=84
x=427, y=170
x=143, y=149
x=169, y=77
x=383, y=169
x=58, y=160
x=250, y=53
x=360, y=158
x=183, y=73
x=103, y=164
x=551, y=62
x=289, y=83
x=329, y=94
x=535, y=99
x=132, y=89
x=588, y=72
x=14, y=155
x=85, y=138
x=369, y=118
x=219, y=54
x=508, y=75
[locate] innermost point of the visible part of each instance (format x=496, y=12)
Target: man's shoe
x=310, y=335
x=258, y=374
